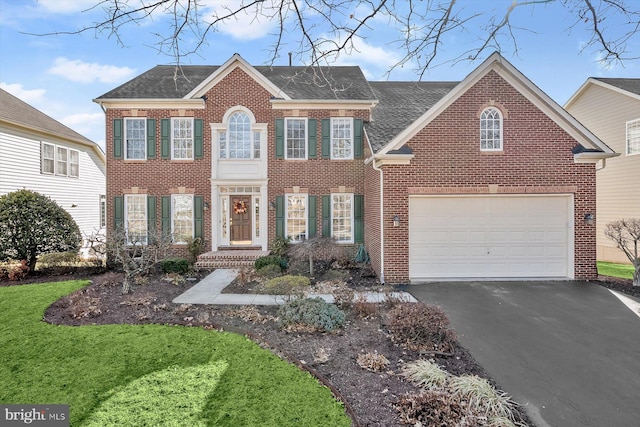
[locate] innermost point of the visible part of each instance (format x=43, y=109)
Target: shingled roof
x=400, y=104
x=17, y=112
x=303, y=83
x=630, y=85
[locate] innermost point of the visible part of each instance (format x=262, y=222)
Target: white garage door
x=490, y=237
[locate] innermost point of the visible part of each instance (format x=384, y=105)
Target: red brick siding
x=537, y=153
x=372, y=214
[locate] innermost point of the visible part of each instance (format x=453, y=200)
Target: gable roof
x=18, y=113
x=593, y=146
x=400, y=104
x=295, y=83
x=624, y=86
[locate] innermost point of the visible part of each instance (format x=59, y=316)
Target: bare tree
x=316, y=248
x=326, y=29
x=136, y=254
x=626, y=234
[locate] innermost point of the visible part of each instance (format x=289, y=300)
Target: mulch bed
x=369, y=396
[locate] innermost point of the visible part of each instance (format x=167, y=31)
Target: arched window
x=491, y=130
x=238, y=140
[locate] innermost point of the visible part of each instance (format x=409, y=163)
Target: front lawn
x=149, y=374
x=624, y=271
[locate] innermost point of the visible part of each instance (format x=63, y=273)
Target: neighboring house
x=610, y=108
x=484, y=178
x=41, y=154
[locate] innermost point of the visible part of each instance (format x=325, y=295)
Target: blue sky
x=60, y=75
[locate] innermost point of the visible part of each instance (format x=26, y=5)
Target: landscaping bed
x=332, y=357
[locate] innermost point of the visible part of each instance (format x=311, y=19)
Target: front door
x=240, y=220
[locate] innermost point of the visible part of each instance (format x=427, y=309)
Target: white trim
x=236, y=61
x=352, y=217
x=124, y=138
x=323, y=104
x=305, y=196
x=501, y=120
x=521, y=83
x=306, y=138
x=139, y=103
x=172, y=213
x=331, y=141
x=626, y=140
x=126, y=217
x=172, y=134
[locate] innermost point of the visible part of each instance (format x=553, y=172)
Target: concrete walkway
x=209, y=291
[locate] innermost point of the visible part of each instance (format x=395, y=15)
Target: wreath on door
x=239, y=207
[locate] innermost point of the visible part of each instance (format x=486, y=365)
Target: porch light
x=206, y=206
x=589, y=219
x=396, y=221
x=272, y=205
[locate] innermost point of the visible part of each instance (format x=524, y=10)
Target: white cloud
x=249, y=24
x=66, y=6
x=86, y=72
x=375, y=61
x=90, y=125
x=30, y=96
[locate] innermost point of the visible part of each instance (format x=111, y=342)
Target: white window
x=135, y=211
x=491, y=130
x=296, y=217
x=342, y=138
x=135, y=131
x=633, y=137
x=48, y=164
x=295, y=138
x=239, y=136
x=181, y=217
x=61, y=161
x=103, y=211
x=74, y=163
x=182, y=138
x=342, y=217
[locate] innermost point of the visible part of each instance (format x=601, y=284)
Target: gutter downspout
x=373, y=165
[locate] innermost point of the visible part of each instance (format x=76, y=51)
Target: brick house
x=482, y=178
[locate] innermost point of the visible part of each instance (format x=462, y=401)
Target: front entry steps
x=229, y=258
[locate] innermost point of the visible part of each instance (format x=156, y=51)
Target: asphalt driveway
x=568, y=351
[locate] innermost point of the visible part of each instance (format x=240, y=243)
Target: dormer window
x=491, y=130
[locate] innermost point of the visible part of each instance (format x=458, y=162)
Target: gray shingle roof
x=16, y=111
x=400, y=104
x=630, y=85
x=304, y=83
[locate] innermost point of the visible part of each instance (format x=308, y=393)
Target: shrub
x=175, y=265
x=15, y=271
x=270, y=271
x=373, y=362
x=426, y=375
x=279, y=246
x=288, y=285
x=57, y=259
x=421, y=327
x=482, y=397
x=343, y=296
x=195, y=247
x=363, y=308
x=435, y=408
x=263, y=261
x=314, y=312
x=32, y=224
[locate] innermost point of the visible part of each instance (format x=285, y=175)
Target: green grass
x=139, y=374
x=624, y=271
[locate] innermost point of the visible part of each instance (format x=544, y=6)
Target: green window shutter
x=279, y=138
x=313, y=223
x=326, y=138
x=117, y=138
x=357, y=139
x=312, y=140
x=358, y=216
x=152, y=228
x=151, y=138
x=198, y=216
x=118, y=213
x=165, y=138
x=166, y=215
x=280, y=216
x=198, y=137
x=326, y=216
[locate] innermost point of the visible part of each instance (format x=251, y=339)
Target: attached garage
x=490, y=236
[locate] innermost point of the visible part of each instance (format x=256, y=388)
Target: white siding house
x=610, y=108
x=40, y=154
